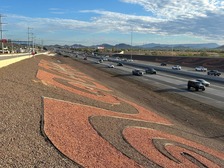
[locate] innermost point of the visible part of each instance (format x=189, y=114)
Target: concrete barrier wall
x=208, y=62
x=16, y=58
x=7, y=62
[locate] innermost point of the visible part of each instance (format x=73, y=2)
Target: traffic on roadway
x=167, y=79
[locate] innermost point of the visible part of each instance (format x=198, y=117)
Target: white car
x=200, y=68
x=110, y=66
x=176, y=67
x=137, y=72
x=203, y=82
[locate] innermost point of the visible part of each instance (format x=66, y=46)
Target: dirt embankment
x=208, y=62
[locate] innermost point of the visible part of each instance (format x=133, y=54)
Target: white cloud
x=50, y=24
x=201, y=18
x=112, y=21
x=200, y=24
x=58, y=11
x=174, y=9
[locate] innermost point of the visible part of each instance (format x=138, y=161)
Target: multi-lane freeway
x=168, y=80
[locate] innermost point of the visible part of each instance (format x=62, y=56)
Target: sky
x=94, y=22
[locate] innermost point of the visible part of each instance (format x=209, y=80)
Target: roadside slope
x=35, y=131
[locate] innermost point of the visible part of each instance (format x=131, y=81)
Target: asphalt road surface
x=172, y=82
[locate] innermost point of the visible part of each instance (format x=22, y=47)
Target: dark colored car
x=150, y=71
x=119, y=64
x=195, y=84
x=163, y=64
x=214, y=72
x=85, y=58
x=137, y=72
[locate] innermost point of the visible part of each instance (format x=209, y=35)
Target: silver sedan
x=204, y=82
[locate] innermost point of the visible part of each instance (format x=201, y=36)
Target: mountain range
x=187, y=46
x=155, y=46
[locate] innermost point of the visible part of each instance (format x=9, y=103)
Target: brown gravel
x=23, y=144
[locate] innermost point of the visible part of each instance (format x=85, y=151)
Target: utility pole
x=32, y=42
x=12, y=47
x=1, y=30
x=28, y=42
x=42, y=45
x=131, y=41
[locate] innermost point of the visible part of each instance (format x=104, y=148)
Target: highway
x=168, y=80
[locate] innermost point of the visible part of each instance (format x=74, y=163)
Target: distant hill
x=122, y=46
x=190, y=46
x=77, y=46
x=101, y=45
x=163, y=46
x=155, y=46
x=221, y=47
x=117, y=46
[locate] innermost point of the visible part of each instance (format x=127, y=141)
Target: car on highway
x=176, y=67
x=204, y=82
x=130, y=60
x=163, y=64
x=117, y=58
x=196, y=85
x=105, y=58
x=214, y=72
x=85, y=58
x=137, y=72
x=150, y=71
x=201, y=68
x=110, y=66
x=120, y=64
